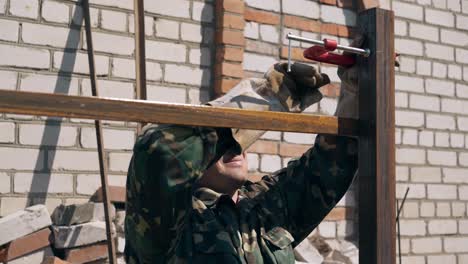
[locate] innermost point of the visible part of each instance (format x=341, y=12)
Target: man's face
x=227, y=174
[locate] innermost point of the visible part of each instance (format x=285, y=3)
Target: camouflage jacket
x=170, y=220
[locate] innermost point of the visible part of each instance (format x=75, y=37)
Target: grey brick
x=66, y=215
x=79, y=235
x=24, y=222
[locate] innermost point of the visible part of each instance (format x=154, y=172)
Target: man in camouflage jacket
x=188, y=197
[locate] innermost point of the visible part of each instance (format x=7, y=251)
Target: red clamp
x=323, y=54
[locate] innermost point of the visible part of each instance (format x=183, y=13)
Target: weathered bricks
x=25, y=245
x=431, y=83
x=34, y=257
x=36, y=58
x=79, y=235
x=261, y=16
x=56, y=36
x=41, y=182
x=86, y=254
x=55, y=12
x=24, y=222
x=25, y=8
x=116, y=194
x=54, y=260
x=80, y=213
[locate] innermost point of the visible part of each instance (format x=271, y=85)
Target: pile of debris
x=72, y=234
x=77, y=234
x=315, y=249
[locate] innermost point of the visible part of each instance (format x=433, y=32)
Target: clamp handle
x=323, y=54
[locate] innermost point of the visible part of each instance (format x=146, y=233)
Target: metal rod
x=140, y=56
x=402, y=203
x=99, y=138
x=289, y=55
x=399, y=208
x=399, y=236
x=363, y=52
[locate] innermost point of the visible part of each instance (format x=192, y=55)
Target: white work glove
x=348, y=101
x=279, y=90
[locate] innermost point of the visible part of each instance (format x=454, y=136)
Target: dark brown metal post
x=100, y=140
x=140, y=56
x=377, y=139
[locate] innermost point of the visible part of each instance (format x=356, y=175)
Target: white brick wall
x=55, y=12
x=176, y=8
x=55, y=183
x=438, y=17
x=10, y=30
x=431, y=84
x=406, y=10
x=303, y=8
x=25, y=8
x=40, y=53
x=332, y=14
x=24, y=57
x=270, y=163
x=432, y=36
x=8, y=132
x=273, y=5
x=33, y=134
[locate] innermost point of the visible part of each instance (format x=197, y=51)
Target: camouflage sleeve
x=165, y=163
x=304, y=192
x=315, y=183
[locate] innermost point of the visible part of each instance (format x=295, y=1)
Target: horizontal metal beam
x=43, y=104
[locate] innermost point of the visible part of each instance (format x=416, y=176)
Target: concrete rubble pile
x=25, y=236
x=77, y=234
x=317, y=250
x=72, y=234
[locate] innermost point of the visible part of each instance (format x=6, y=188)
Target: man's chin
x=237, y=179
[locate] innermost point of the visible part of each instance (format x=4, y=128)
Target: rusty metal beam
x=43, y=104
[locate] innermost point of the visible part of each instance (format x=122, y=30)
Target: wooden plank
x=99, y=137
x=140, y=53
x=377, y=140
x=43, y=104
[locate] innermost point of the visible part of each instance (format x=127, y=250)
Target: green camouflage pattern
x=171, y=220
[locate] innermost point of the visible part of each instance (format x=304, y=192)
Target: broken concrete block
x=320, y=244
x=306, y=252
x=79, y=235
x=25, y=245
x=34, y=257
x=337, y=257
x=120, y=244
x=346, y=248
x=87, y=253
x=119, y=221
x=80, y=213
x=24, y=222
x=116, y=194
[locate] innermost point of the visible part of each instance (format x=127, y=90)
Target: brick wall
x=213, y=52
x=43, y=49
x=432, y=132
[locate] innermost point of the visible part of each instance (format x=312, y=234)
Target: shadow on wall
x=50, y=137
x=350, y=16
x=41, y=179
x=207, y=52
